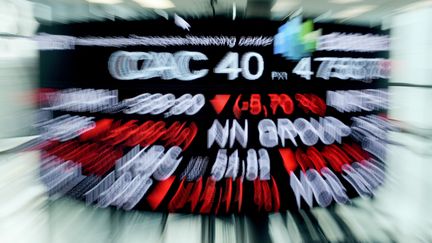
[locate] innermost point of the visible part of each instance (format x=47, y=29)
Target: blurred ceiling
x=365, y=12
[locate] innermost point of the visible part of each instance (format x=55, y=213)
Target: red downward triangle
x=219, y=102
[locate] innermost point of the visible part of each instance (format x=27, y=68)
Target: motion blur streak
x=400, y=210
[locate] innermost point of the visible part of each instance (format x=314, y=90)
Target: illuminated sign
x=237, y=116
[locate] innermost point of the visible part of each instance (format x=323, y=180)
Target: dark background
x=87, y=67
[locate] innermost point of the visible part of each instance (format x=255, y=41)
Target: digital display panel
x=229, y=116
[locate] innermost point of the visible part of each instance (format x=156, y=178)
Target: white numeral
x=245, y=66
x=303, y=68
x=230, y=65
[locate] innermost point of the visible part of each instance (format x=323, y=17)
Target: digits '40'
x=230, y=65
